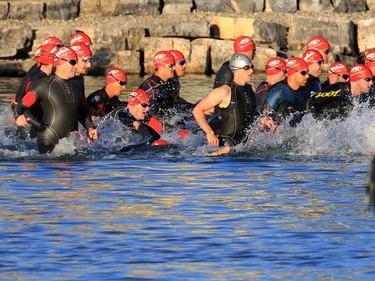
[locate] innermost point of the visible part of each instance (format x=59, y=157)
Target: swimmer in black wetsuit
x=135, y=112
x=336, y=100
x=369, y=61
x=84, y=56
x=179, y=103
x=286, y=97
x=63, y=103
x=315, y=64
x=236, y=101
x=161, y=93
x=44, y=62
x=337, y=72
x=275, y=70
x=102, y=102
x=242, y=45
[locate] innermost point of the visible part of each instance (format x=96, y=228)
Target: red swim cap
x=44, y=54
x=53, y=40
x=162, y=58
x=274, y=65
x=115, y=73
x=138, y=96
x=80, y=37
x=83, y=52
x=318, y=43
x=311, y=56
x=370, y=58
x=338, y=68
x=359, y=71
x=295, y=65
x=64, y=53
x=178, y=56
x=243, y=44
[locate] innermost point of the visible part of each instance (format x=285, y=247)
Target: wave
x=348, y=137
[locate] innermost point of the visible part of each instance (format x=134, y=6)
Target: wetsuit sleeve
x=153, y=134
x=84, y=116
x=19, y=108
x=223, y=76
x=125, y=118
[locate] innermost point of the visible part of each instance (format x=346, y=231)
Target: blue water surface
x=287, y=206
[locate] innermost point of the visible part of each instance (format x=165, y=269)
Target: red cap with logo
x=83, y=52
x=80, y=37
x=370, y=58
x=338, y=68
x=162, y=58
x=311, y=56
x=318, y=43
x=64, y=54
x=359, y=71
x=274, y=65
x=243, y=44
x=295, y=65
x=115, y=74
x=178, y=56
x=53, y=40
x=138, y=96
x=44, y=54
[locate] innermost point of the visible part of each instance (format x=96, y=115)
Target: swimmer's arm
x=218, y=96
x=19, y=108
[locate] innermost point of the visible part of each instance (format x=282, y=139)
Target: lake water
x=286, y=206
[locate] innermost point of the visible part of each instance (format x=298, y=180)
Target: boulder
x=221, y=51
x=14, y=67
x=62, y=9
x=21, y=10
x=139, y=7
x=177, y=7
x=129, y=61
x=339, y=32
x=199, y=62
x=248, y=6
x=370, y=5
x=215, y=6
x=281, y=6
x=316, y=6
x=342, y=6
x=15, y=41
x=4, y=10
x=260, y=31
x=366, y=35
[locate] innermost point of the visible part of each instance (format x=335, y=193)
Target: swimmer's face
x=83, y=66
x=180, y=68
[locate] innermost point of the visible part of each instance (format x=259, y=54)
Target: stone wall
x=126, y=33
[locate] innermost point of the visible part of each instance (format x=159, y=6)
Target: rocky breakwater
x=127, y=33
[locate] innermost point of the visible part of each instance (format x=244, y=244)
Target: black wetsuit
x=127, y=119
x=283, y=101
x=312, y=86
x=334, y=101
x=160, y=93
x=262, y=93
x=238, y=115
x=370, y=97
x=64, y=105
x=100, y=104
x=223, y=76
x=35, y=112
x=180, y=104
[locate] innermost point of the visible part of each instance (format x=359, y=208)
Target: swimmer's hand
x=92, y=134
x=22, y=121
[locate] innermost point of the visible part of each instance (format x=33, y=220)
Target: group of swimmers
x=51, y=97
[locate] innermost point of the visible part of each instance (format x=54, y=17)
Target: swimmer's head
x=239, y=61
